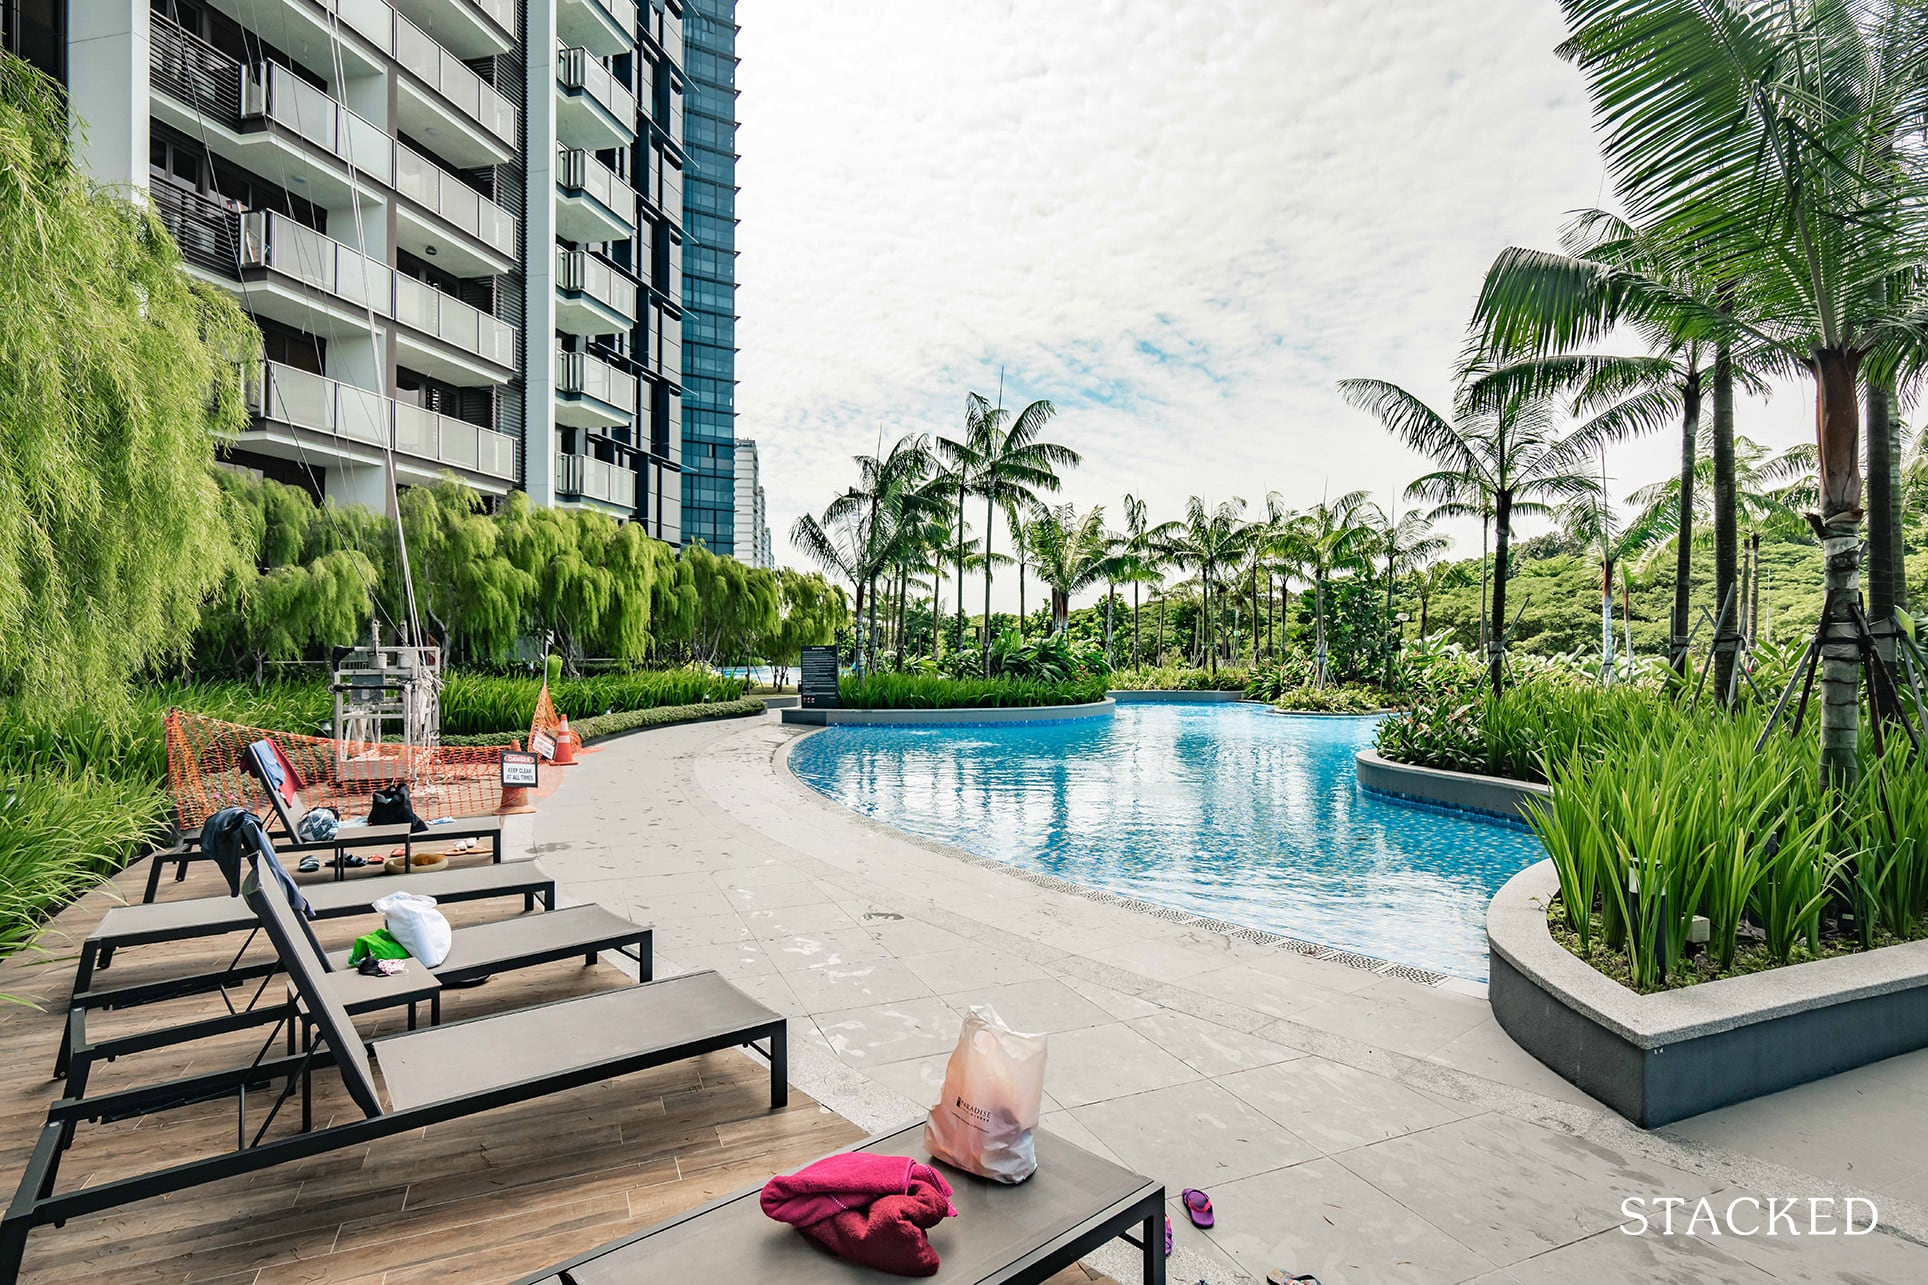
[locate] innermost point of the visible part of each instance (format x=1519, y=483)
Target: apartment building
x=753, y=543
x=458, y=224
x=709, y=281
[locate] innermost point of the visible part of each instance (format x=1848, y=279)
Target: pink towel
x=868, y=1209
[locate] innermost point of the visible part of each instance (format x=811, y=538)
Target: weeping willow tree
x=116, y=373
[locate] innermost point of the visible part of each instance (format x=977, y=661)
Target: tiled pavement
x=1352, y=1125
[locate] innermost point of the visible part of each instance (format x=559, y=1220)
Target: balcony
x=590, y=393
x=467, y=28
x=593, y=203
x=307, y=280
x=362, y=424
x=592, y=297
x=437, y=191
x=448, y=106
x=588, y=478
x=603, y=27
x=593, y=109
x=484, y=346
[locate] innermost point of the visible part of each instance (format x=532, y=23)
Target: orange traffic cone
x=565, y=745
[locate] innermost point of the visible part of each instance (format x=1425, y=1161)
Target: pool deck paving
x=1347, y=1123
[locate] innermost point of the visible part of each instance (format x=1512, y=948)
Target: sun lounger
x=124, y=927
x=180, y=855
x=1015, y=1235
x=476, y=952
x=429, y=1076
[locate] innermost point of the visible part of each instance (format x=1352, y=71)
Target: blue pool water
x=1231, y=811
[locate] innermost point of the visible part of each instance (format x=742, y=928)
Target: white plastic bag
x=993, y=1093
x=414, y=921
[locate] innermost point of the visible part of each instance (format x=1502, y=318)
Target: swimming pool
x=1231, y=811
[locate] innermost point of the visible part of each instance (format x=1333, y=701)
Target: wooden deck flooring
x=485, y=1199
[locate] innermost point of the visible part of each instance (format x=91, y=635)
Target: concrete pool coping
x=949, y=717
x=1490, y=796
x=1285, y=1082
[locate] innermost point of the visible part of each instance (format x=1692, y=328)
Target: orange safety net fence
x=205, y=772
x=544, y=727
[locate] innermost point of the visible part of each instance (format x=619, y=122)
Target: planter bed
x=1663, y=1057
x=964, y=714
x=1492, y=796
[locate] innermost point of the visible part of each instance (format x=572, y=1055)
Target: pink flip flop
x=1198, y=1207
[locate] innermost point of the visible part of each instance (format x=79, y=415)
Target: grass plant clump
x=936, y=691
x=481, y=705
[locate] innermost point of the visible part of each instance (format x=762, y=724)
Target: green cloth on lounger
x=377, y=945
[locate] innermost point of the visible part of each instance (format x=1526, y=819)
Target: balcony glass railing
x=271, y=240
x=424, y=181
x=597, y=479
x=578, y=170
x=578, y=272
x=285, y=395
x=273, y=91
x=578, y=372
x=451, y=77
x=421, y=305
x=580, y=69
x=502, y=11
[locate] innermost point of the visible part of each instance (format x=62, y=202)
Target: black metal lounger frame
x=36, y=1205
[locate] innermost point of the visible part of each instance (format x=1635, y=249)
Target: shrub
x=933, y=691
x=61, y=833
x=1331, y=700
x=1181, y=678
x=477, y=705
x=625, y=721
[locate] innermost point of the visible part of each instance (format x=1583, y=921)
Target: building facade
x=753, y=544
x=709, y=280
x=458, y=224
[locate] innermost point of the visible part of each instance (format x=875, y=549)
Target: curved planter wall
x=1660, y=1058
x=1465, y=791
x=1173, y=696
x=904, y=717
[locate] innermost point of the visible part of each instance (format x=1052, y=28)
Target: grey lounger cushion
x=466, y=1058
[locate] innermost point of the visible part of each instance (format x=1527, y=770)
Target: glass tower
x=709, y=276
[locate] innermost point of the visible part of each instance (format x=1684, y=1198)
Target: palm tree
x=1761, y=137
x=1072, y=553
x=962, y=463
x=1408, y=546
x=1012, y=464
x=1429, y=580
x=1499, y=449
x=1206, y=540
x=866, y=531
x=1017, y=521
x=1330, y=538
x=1142, y=558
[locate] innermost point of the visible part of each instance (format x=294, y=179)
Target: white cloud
x=1182, y=223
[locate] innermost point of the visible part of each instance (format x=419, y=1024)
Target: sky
x=1182, y=224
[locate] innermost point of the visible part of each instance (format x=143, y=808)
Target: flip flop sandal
x=309, y=865
x=1198, y=1207
x=1280, y=1277
x=352, y=861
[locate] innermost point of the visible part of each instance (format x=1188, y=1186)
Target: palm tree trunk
x=1387, y=679
x=1425, y=607
x=1161, y=630
x=1837, y=425
x=1108, y=622
x=1684, y=534
x=1020, y=595
x=1754, y=588
x=960, y=560
x=1134, y=624
x=1887, y=579
x=1726, y=523
x=990, y=528
x=857, y=656
x=1318, y=628
x=1496, y=635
